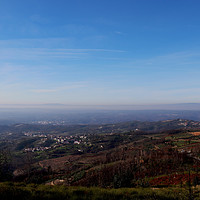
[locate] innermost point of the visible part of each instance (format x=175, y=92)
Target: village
x=54, y=141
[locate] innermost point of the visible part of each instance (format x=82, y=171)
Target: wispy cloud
x=173, y=61
x=30, y=53
x=118, y=32
x=50, y=49
x=59, y=89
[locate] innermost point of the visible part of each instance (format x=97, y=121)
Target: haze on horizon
x=99, y=52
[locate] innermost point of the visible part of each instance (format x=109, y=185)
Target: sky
x=99, y=52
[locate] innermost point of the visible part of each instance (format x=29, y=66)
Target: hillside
x=19, y=129
x=123, y=155
x=114, y=155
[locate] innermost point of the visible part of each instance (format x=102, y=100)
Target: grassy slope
x=21, y=191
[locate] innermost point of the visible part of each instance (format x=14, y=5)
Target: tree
x=6, y=168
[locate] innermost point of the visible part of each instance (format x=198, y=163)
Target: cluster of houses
x=36, y=149
x=50, y=122
x=186, y=123
x=56, y=141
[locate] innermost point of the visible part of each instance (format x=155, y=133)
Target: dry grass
x=195, y=133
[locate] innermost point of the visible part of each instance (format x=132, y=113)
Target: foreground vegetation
x=21, y=191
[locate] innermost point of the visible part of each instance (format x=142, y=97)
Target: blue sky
x=98, y=52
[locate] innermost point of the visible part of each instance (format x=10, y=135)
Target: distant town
x=59, y=141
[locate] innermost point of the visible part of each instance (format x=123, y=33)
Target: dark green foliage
x=26, y=144
x=48, y=143
x=6, y=168
x=9, y=191
x=196, y=181
x=79, y=175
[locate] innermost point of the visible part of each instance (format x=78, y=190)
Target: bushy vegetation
x=21, y=191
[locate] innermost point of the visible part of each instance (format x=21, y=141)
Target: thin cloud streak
x=28, y=53
x=58, y=89
x=178, y=60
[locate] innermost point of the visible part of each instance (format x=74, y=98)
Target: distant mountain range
x=178, y=106
x=61, y=114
